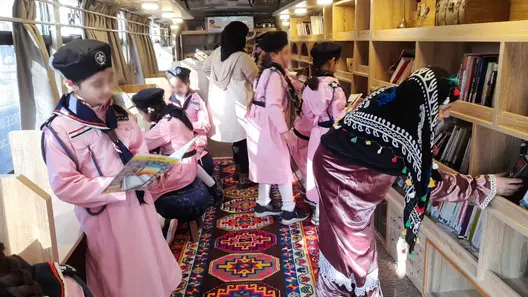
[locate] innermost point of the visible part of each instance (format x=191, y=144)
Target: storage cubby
x=304, y=53
x=361, y=56
x=513, y=112
x=505, y=255
x=295, y=50
x=360, y=85
x=488, y=143
x=343, y=20
x=445, y=279
x=362, y=15
x=382, y=55
x=388, y=14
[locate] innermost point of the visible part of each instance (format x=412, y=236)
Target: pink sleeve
x=306, y=108
x=137, y=143
x=339, y=104
x=202, y=125
x=275, y=93
x=69, y=184
x=478, y=190
x=155, y=137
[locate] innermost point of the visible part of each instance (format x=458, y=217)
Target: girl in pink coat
x=180, y=196
x=268, y=136
x=324, y=103
x=194, y=106
x=86, y=144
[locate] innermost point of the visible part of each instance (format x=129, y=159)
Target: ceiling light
x=150, y=6
x=168, y=14
x=324, y=2
x=177, y=20
x=285, y=23
x=284, y=17
x=301, y=11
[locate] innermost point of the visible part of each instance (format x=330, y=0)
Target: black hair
x=156, y=110
x=313, y=81
x=16, y=280
x=79, y=82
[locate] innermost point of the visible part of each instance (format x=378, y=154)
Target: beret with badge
x=81, y=59
x=179, y=72
x=148, y=97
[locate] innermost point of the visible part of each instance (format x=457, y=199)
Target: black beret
x=81, y=59
x=325, y=51
x=148, y=97
x=179, y=72
x=274, y=41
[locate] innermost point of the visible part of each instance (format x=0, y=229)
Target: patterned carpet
x=239, y=255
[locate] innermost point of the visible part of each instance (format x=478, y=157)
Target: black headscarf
x=233, y=39
x=393, y=132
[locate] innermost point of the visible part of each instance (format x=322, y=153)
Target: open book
x=142, y=169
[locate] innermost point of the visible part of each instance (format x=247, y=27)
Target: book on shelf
x=402, y=68
x=520, y=170
x=453, y=141
x=317, y=25
x=478, y=76
x=304, y=28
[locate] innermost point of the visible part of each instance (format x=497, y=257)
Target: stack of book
x=317, y=25
x=478, y=78
x=453, y=140
x=464, y=220
x=304, y=28
x=403, y=67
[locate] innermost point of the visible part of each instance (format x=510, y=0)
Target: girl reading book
x=86, y=143
x=180, y=195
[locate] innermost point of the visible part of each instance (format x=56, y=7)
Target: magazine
x=142, y=169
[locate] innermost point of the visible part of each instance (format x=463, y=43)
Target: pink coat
x=127, y=254
x=269, y=157
x=302, y=125
x=315, y=107
x=170, y=134
x=197, y=112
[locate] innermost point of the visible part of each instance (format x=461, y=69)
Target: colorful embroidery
x=244, y=267
x=243, y=290
x=246, y=241
x=243, y=221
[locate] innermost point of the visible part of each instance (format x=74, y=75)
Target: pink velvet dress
x=269, y=157
x=349, y=195
x=127, y=254
x=325, y=105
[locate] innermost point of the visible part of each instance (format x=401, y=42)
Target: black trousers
x=240, y=155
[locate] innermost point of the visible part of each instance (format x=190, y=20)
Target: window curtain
x=119, y=65
x=142, y=44
x=36, y=80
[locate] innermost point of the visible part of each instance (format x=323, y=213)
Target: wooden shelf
x=362, y=69
x=498, y=31
x=379, y=84
x=344, y=76
x=474, y=113
x=344, y=36
x=363, y=74
x=505, y=288
x=312, y=38
x=513, y=124
x=363, y=35
x=462, y=293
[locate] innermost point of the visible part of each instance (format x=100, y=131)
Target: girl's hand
x=507, y=186
x=289, y=138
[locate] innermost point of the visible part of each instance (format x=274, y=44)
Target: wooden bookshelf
x=442, y=266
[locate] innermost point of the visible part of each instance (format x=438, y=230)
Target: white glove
x=135, y=182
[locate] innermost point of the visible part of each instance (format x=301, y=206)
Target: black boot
x=217, y=193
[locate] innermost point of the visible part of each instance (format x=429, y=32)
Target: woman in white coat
x=231, y=74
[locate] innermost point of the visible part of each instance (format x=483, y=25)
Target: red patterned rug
x=239, y=255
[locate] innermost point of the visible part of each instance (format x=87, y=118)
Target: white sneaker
x=171, y=232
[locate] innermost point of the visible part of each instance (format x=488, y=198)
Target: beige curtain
x=119, y=65
x=36, y=80
x=142, y=44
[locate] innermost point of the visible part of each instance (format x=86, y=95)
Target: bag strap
x=70, y=155
x=334, y=85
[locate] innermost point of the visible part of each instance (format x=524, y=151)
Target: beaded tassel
x=431, y=183
x=368, y=142
x=354, y=140
x=408, y=182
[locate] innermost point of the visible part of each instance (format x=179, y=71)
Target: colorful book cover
x=142, y=166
